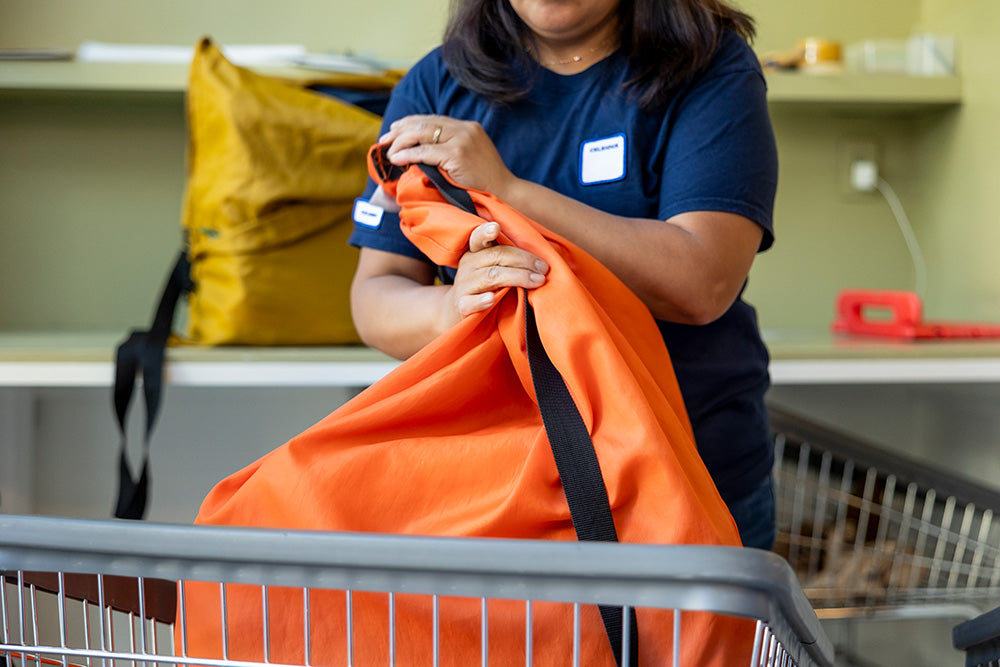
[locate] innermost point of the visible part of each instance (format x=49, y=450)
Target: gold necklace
x=576, y=59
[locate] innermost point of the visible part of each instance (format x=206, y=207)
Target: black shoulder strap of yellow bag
x=572, y=449
x=142, y=353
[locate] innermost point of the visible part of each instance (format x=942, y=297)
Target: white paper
x=245, y=55
x=332, y=62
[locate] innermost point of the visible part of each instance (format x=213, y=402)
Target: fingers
x=461, y=148
x=485, y=254
x=484, y=236
x=502, y=266
x=470, y=304
x=411, y=135
x=422, y=129
x=489, y=268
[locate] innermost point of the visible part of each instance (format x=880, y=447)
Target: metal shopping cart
x=65, y=617
x=980, y=639
x=871, y=534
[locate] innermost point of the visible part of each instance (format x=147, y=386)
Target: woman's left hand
x=460, y=148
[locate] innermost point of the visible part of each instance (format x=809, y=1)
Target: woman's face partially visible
x=568, y=22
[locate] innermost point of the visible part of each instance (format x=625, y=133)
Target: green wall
x=958, y=167
x=91, y=184
x=388, y=28
x=781, y=23
x=943, y=165
x=90, y=200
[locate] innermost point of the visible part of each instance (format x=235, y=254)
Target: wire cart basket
x=85, y=592
x=870, y=533
x=980, y=639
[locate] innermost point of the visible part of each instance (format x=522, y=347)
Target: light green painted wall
x=91, y=185
x=90, y=199
x=828, y=240
x=958, y=165
x=389, y=28
x=781, y=23
x=943, y=166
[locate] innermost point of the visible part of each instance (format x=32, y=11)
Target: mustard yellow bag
x=273, y=171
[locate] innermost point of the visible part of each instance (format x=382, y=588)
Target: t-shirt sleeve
x=412, y=95
x=722, y=155
x=380, y=231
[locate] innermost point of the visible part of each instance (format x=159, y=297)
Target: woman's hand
x=488, y=268
x=462, y=149
x=398, y=309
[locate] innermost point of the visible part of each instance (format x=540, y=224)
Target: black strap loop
x=144, y=352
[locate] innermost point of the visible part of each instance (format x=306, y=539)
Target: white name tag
x=602, y=160
x=367, y=213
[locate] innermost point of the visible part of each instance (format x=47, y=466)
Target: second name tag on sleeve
x=367, y=214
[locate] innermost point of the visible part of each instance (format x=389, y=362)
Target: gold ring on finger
x=437, y=134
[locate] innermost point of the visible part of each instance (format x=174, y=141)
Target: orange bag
x=452, y=443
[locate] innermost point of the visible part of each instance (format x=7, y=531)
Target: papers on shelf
x=332, y=62
x=245, y=55
x=35, y=54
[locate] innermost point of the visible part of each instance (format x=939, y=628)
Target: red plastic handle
x=855, y=308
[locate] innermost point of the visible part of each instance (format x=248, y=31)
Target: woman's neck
x=572, y=58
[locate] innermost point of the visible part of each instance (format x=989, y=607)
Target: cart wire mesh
x=85, y=592
x=870, y=533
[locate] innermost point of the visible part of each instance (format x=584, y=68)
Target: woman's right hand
x=487, y=268
x=398, y=308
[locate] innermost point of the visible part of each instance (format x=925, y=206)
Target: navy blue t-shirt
x=711, y=148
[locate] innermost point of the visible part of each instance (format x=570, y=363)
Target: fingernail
x=537, y=278
x=541, y=266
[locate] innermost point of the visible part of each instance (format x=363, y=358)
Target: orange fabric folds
x=452, y=443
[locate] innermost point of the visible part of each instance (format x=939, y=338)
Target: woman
x=637, y=129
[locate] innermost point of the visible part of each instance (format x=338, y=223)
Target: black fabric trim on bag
x=572, y=448
x=143, y=352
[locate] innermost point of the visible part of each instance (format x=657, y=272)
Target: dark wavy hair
x=486, y=45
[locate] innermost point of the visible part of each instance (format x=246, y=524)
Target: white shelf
x=100, y=77
x=86, y=360
x=869, y=92
x=809, y=357
x=884, y=371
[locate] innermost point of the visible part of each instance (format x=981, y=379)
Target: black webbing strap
x=143, y=352
x=572, y=448
x=580, y=473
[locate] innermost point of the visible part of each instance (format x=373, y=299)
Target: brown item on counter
x=813, y=54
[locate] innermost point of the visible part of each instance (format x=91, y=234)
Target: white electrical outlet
x=851, y=152
x=864, y=175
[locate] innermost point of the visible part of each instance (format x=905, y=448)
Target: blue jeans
x=754, y=515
